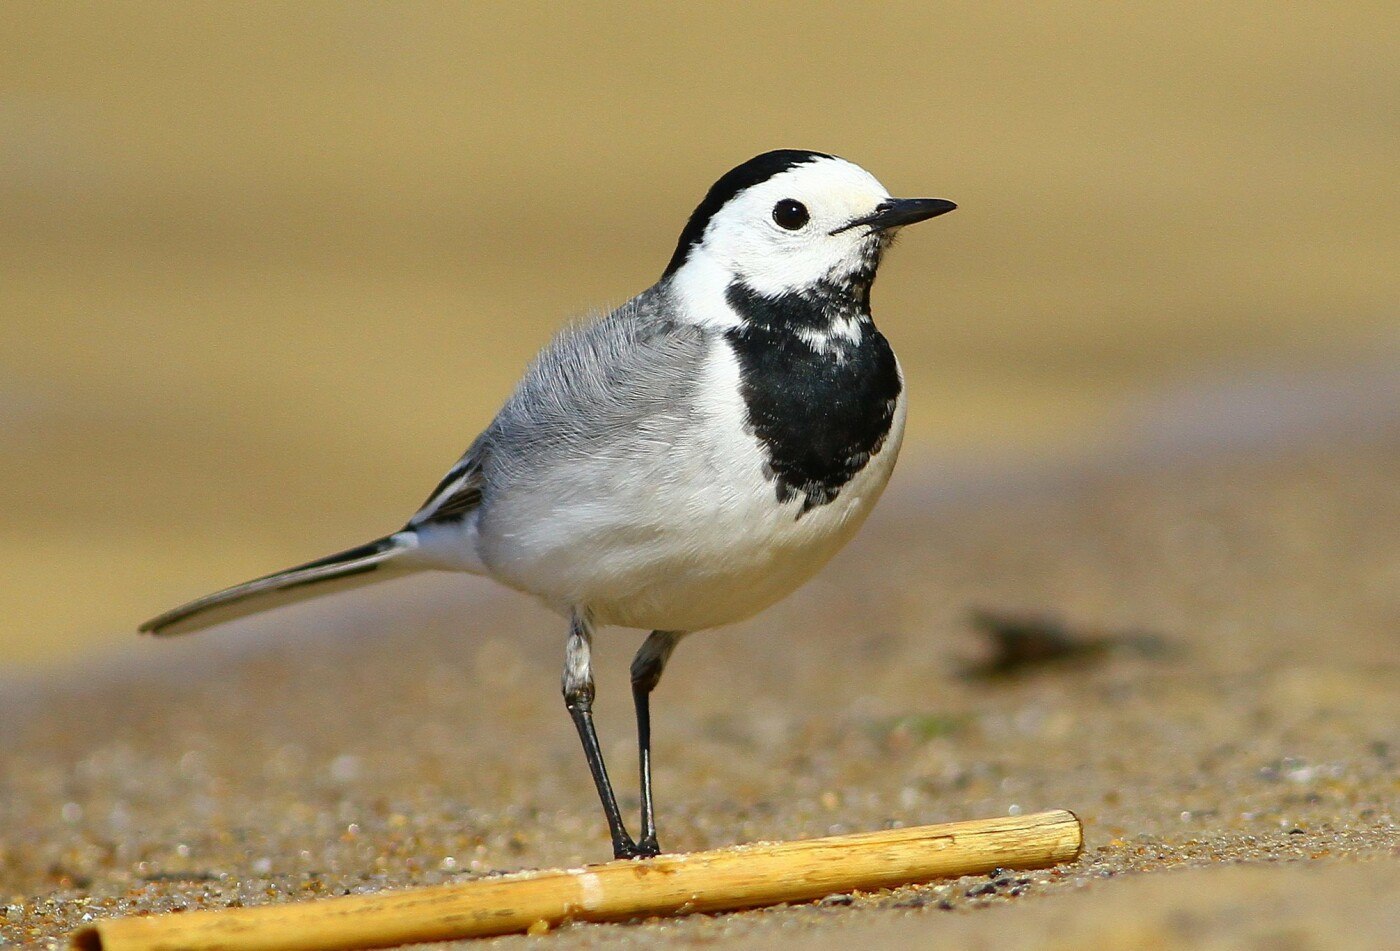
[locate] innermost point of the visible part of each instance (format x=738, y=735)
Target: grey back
x=604, y=391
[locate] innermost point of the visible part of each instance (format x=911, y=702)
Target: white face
x=746, y=239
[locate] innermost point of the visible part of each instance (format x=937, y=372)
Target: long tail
x=358, y=566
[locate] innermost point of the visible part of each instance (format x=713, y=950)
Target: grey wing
x=603, y=391
x=611, y=388
x=458, y=493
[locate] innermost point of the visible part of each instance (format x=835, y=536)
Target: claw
x=645, y=849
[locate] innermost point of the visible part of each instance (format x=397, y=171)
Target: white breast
x=685, y=537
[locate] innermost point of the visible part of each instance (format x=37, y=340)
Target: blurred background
x=268, y=268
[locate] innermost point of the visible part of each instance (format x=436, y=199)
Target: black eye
x=790, y=214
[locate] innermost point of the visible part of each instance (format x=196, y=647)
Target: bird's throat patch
x=820, y=415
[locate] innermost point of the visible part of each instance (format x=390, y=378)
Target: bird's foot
x=628, y=849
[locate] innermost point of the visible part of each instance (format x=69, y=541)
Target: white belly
x=687, y=537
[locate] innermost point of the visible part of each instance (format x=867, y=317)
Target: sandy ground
x=1233, y=752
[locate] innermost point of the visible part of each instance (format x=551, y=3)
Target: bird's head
x=787, y=221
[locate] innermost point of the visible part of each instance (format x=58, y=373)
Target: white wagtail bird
x=682, y=462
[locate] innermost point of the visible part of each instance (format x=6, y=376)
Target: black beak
x=897, y=212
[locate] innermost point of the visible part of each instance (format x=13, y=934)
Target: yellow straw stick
x=744, y=876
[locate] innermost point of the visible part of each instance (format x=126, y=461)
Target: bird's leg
x=578, y=697
x=646, y=673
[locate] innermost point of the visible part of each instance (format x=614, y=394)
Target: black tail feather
x=257, y=595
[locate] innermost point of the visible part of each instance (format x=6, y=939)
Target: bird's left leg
x=578, y=697
x=646, y=673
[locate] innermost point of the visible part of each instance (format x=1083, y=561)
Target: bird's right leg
x=646, y=674
x=578, y=697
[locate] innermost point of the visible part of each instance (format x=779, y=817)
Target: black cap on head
x=760, y=168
